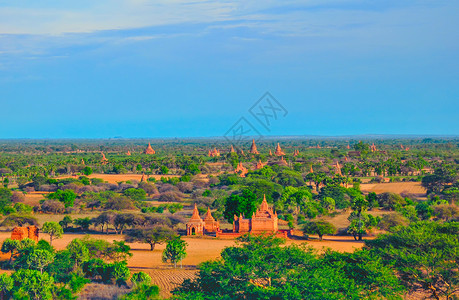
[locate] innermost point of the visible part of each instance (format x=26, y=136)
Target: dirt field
x=199, y=250
x=34, y=198
x=115, y=178
x=394, y=187
x=340, y=221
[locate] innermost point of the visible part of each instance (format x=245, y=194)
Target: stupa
x=149, y=150
x=263, y=220
x=259, y=165
x=282, y=162
x=128, y=153
x=253, y=148
x=104, y=160
x=213, y=153
x=279, y=151
x=270, y=153
x=232, y=149
x=195, y=225
x=338, y=168
x=210, y=225
x=241, y=170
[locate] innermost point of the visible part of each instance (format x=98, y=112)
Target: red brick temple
x=279, y=151
x=213, y=153
x=263, y=220
x=198, y=226
x=253, y=148
x=20, y=233
x=149, y=150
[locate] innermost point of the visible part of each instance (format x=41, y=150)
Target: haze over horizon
x=185, y=68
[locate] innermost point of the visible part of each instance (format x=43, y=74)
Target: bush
x=391, y=220
x=52, y=206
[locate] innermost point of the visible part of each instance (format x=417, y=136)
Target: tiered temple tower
x=263, y=220
x=149, y=150
x=279, y=151
x=253, y=148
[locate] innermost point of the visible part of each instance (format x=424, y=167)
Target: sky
x=190, y=68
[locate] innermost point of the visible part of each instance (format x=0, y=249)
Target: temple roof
x=264, y=211
x=253, y=148
x=279, y=150
x=149, y=150
x=208, y=216
x=195, y=216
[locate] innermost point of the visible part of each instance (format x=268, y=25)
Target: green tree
x=140, y=278
x=245, y=203
x=319, y=227
x=425, y=254
x=175, y=251
x=54, y=230
x=65, y=222
x=67, y=197
x=84, y=223
x=39, y=259
x=261, y=267
x=10, y=246
x=6, y=285
x=359, y=204
x=79, y=253
x=135, y=194
x=32, y=283
x=19, y=220
x=152, y=236
x=87, y=171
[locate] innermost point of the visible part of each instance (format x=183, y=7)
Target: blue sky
x=178, y=68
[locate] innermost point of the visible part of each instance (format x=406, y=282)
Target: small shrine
x=253, y=148
x=279, y=151
x=198, y=226
x=149, y=150
x=20, y=233
x=259, y=165
x=241, y=170
x=263, y=220
x=213, y=153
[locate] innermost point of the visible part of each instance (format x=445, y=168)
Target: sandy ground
x=115, y=178
x=199, y=250
x=33, y=198
x=394, y=187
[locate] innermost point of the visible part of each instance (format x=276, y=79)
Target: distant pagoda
x=104, y=160
x=259, y=165
x=279, y=151
x=149, y=150
x=241, y=170
x=253, y=148
x=213, y=153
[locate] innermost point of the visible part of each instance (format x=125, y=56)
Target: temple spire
x=149, y=150
x=195, y=215
x=264, y=204
x=279, y=151
x=253, y=148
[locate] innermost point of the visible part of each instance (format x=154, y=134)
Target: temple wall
x=20, y=233
x=264, y=225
